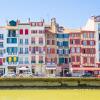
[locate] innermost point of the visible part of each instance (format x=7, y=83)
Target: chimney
x=53, y=25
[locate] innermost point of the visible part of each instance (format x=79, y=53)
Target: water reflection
x=49, y=94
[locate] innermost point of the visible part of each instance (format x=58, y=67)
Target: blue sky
x=69, y=13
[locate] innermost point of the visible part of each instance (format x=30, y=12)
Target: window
x=9, y=50
x=21, y=41
x=92, y=51
x=11, y=33
x=39, y=23
x=26, y=31
x=72, y=50
x=1, y=36
x=84, y=43
x=53, y=42
x=21, y=31
x=66, y=35
x=84, y=60
x=66, y=51
x=11, y=40
x=60, y=44
x=14, y=50
x=20, y=60
x=48, y=42
x=48, y=50
x=14, y=59
x=77, y=58
x=14, y=40
x=33, y=50
x=40, y=59
x=92, y=43
x=33, y=31
x=73, y=59
x=84, y=35
x=91, y=35
x=40, y=49
x=84, y=51
x=26, y=60
x=33, y=59
x=59, y=35
x=33, y=40
x=72, y=41
x=1, y=44
x=77, y=41
x=40, y=40
x=21, y=50
x=52, y=50
x=60, y=51
x=26, y=41
x=66, y=60
x=65, y=43
x=92, y=60
x=1, y=52
x=41, y=31
x=78, y=49
x=61, y=60
x=26, y=50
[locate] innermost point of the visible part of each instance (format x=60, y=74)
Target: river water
x=75, y=94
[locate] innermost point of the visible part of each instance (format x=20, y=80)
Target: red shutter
x=88, y=42
x=26, y=31
x=77, y=41
x=84, y=60
x=21, y=31
x=92, y=60
x=53, y=42
x=1, y=61
x=78, y=58
x=73, y=59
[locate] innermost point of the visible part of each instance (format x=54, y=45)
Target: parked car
x=87, y=75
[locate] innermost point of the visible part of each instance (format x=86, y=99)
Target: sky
x=68, y=13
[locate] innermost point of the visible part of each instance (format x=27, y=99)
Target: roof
x=9, y=27
x=67, y=30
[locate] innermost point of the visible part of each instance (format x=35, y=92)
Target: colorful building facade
x=75, y=51
x=50, y=50
x=11, y=47
x=37, y=35
x=51, y=55
x=63, y=51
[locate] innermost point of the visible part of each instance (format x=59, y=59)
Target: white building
x=93, y=24
x=37, y=34
x=24, y=52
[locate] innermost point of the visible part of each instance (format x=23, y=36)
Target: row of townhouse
x=48, y=50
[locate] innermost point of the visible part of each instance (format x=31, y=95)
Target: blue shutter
x=7, y=49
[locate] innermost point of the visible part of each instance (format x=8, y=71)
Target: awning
x=86, y=69
x=23, y=68
x=50, y=67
